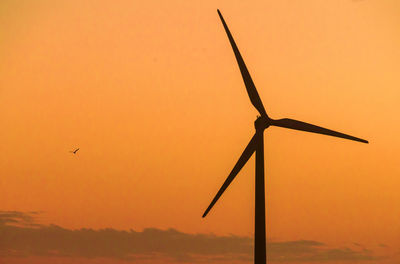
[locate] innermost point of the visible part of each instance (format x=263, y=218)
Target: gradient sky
x=151, y=94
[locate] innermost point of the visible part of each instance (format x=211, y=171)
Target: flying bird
x=74, y=151
x=256, y=145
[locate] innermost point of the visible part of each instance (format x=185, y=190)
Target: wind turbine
x=256, y=145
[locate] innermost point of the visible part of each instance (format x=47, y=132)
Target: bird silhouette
x=74, y=151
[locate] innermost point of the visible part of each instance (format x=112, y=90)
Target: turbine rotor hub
x=261, y=123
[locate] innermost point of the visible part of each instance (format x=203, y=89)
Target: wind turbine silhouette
x=256, y=145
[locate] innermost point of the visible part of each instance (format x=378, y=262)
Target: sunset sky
x=151, y=94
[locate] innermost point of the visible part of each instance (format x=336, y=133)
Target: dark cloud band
x=20, y=236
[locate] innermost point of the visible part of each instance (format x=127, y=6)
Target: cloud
x=308, y=250
x=17, y=218
x=20, y=236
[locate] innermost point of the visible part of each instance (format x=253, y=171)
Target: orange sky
x=151, y=94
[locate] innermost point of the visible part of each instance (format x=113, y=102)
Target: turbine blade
x=298, y=125
x=250, y=87
x=247, y=153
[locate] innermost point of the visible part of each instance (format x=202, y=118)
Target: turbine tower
x=256, y=145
